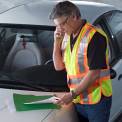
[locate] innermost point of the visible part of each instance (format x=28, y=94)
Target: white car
x=26, y=66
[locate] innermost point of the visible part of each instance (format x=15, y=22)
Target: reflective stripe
x=85, y=97
x=104, y=73
x=77, y=76
x=75, y=81
x=81, y=50
x=81, y=54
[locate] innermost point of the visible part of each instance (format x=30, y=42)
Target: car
x=26, y=65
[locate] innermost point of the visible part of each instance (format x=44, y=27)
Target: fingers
x=59, y=30
x=64, y=100
x=58, y=100
x=59, y=34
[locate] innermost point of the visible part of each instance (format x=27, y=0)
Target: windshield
x=26, y=59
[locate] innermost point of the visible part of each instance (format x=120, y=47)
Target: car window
x=101, y=26
x=26, y=59
x=115, y=23
x=16, y=43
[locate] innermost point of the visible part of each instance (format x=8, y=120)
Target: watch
x=73, y=94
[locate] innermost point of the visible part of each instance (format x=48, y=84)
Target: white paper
x=49, y=100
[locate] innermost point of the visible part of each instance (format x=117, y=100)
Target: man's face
x=64, y=23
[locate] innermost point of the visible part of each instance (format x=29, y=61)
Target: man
x=85, y=59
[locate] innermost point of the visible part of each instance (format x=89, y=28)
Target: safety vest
x=77, y=67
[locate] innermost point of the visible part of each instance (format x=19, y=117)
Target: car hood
x=37, y=13
x=8, y=113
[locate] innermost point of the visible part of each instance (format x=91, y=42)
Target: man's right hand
x=58, y=36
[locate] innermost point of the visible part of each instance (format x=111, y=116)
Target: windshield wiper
x=13, y=84
x=26, y=85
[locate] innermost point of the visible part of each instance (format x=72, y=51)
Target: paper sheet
x=52, y=99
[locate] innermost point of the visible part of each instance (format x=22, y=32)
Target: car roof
x=37, y=13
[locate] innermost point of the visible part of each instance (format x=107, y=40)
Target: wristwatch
x=73, y=94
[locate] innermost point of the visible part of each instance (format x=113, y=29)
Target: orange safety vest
x=77, y=67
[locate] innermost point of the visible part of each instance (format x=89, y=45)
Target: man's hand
x=65, y=99
x=58, y=36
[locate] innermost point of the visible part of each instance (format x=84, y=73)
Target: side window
x=98, y=25
x=115, y=23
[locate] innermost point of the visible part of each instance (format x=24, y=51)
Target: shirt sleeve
x=96, y=52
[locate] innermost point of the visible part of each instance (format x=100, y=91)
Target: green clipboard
x=20, y=99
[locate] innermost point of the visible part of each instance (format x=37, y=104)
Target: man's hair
x=65, y=8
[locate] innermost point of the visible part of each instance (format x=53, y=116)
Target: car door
x=111, y=22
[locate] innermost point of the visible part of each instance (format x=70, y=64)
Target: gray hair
x=65, y=8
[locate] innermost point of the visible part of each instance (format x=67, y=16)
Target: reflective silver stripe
x=75, y=80
x=105, y=73
x=78, y=80
x=80, y=63
x=85, y=96
x=81, y=53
